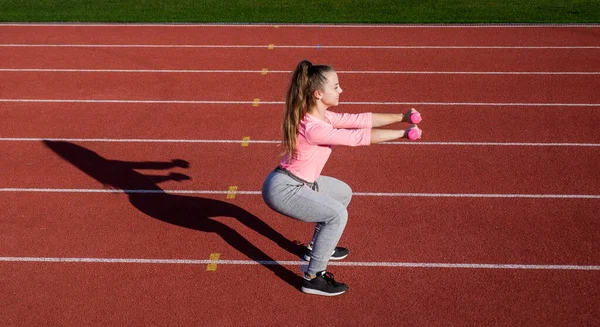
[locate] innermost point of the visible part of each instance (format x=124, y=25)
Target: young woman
x=297, y=189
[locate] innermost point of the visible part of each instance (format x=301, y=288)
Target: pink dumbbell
x=414, y=134
x=415, y=118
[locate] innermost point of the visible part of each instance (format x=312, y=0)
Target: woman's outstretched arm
x=383, y=135
x=387, y=119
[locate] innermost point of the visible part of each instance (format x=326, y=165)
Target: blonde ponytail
x=306, y=79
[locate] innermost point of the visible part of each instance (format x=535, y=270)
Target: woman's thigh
x=296, y=200
x=335, y=188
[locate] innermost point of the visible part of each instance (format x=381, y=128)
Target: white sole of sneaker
x=338, y=258
x=317, y=292
x=307, y=258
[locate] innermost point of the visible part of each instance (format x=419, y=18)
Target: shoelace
x=329, y=278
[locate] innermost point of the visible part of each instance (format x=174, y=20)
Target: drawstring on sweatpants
x=314, y=186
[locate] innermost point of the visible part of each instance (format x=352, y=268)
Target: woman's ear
x=318, y=94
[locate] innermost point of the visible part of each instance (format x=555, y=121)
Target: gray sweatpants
x=325, y=206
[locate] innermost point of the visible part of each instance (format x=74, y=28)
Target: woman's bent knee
x=340, y=217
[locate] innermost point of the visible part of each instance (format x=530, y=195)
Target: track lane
x=407, y=296
x=445, y=169
x=380, y=229
x=470, y=60
x=236, y=121
x=494, y=36
x=363, y=88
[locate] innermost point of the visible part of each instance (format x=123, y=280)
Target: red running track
x=43, y=216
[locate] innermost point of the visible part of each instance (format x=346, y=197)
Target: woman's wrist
x=400, y=118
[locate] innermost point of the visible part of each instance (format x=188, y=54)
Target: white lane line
x=138, y=101
x=474, y=195
x=391, y=72
x=496, y=144
x=69, y=190
x=303, y=263
x=75, y=70
x=478, y=104
x=16, y=139
x=233, y=71
x=267, y=46
x=370, y=194
x=393, y=103
x=315, y=25
x=32, y=139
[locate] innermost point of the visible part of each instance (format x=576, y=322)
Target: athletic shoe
x=339, y=253
x=323, y=284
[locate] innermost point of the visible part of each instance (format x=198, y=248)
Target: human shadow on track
x=185, y=211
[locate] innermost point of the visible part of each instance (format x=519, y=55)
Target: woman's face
x=330, y=95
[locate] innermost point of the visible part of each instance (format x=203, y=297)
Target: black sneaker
x=323, y=284
x=339, y=253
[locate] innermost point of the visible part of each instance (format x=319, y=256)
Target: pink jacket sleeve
x=325, y=134
x=343, y=120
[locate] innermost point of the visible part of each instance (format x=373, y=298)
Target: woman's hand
x=387, y=119
x=409, y=118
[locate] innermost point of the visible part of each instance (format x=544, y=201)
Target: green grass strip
x=298, y=11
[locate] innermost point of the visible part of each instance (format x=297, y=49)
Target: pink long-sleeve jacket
x=316, y=138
